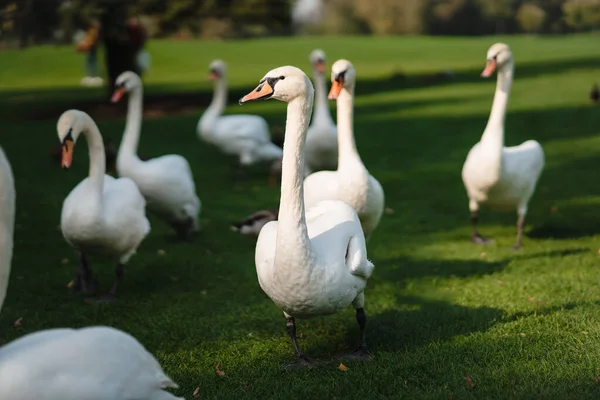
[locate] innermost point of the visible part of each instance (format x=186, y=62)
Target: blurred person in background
x=89, y=45
x=138, y=38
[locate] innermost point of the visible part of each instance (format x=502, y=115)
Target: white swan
x=166, y=182
x=321, y=139
x=352, y=182
x=497, y=176
x=314, y=262
x=102, y=215
x=7, y=221
x=246, y=136
x=70, y=364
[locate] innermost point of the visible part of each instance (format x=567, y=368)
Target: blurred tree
x=454, y=17
x=582, y=14
x=499, y=15
x=386, y=17
x=530, y=17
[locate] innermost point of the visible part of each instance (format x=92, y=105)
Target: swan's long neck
x=292, y=235
x=321, y=111
x=133, y=125
x=347, y=153
x=7, y=223
x=493, y=136
x=97, y=160
x=216, y=107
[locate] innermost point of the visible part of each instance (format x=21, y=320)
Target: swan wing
x=243, y=127
x=94, y=363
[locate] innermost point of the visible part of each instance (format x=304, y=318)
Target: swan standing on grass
x=102, y=215
x=351, y=183
x=322, y=136
x=494, y=175
x=246, y=136
x=311, y=262
x=166, y=182
x=70, y=364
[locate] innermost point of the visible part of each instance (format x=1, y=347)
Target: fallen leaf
x=388, y=211
x=203, y=292
x=219, y=277
x=598, y=251
x=342, y=367
x=585, y=332
x=160, y=252
x=405, y=382
x=531, y=299
x=482, y=254
x=250, y=334
x=470, y=383
x=174, y=278
x=597, y=379
x=500, y=282
x=18, y=321
x=218, y=370
x=452, y=276
x=64, y=261
x=196, y=392
x=553, y=209
x=70, y=284
x=523, y=334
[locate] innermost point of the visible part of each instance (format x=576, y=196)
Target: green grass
x=522, y=325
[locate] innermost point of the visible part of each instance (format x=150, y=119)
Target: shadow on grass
x=160, y=101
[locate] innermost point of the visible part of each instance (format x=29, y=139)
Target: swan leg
x=112, y=294
x=84, y=281
x=301, y=359
x=520, y=225
x=184, y=229
x=476, y=236
x=361, y=353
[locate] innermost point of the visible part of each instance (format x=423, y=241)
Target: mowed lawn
x=447, y=319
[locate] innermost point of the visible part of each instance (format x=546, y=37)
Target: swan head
x=217, y=70
x=317, y=59
x=70, y=125
x=125, y=82
x=343, y=76
x=283, y=83
x=498, y=56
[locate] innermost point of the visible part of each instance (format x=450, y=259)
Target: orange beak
x=490, y=67
x=262, y=91
x=336, y=88
x=118, y=94
x=320, y=66
x=213, y=76
x=67, y=154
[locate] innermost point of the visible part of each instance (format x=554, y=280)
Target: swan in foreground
x=310, y=262
x=244, y=135
x=102, y=215
x=351, y=182
x=497, y=176
x=166, y=182
x=70, y=364
x=322, y=137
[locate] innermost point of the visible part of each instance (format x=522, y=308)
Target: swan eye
x=281, y=77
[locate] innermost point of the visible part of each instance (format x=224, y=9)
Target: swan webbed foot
x=360, y=354
x=302, y=361
x=478, y=239
x=105, y=299
x=185, y=230
x=84, y=285
x=516, y=247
